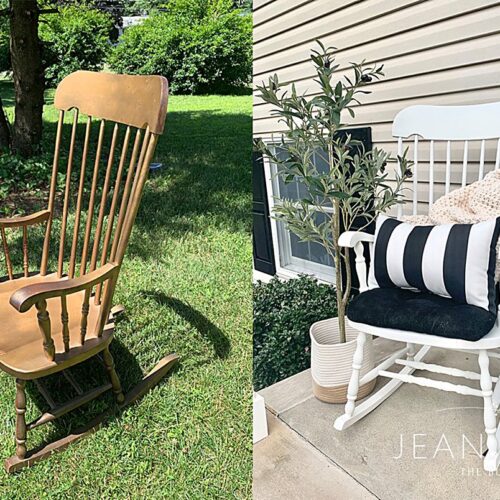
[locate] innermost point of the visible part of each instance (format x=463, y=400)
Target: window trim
x=281, y=239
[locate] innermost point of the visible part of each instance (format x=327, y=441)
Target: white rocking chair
x=438, y=128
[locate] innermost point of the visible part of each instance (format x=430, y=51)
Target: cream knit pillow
x=477, y=202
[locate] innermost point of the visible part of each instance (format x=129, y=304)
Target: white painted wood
x=400, y=173
x=357, y=362
x=445, y=370
x=259, y=418
x=481, y=160
x=410, y=355
x=378, y=397
x=465, y=162
x=490, y=421
x=415, y=175
x=497, y=158
x=355, y=239
x=491, y=353
x=351, y=238
x=449, y=123
x=496, y=394
x=491, y=462
x=433, y=124
x=268, y=174
x=387, y=363
x=431, y=174
x=489, y=341
x=360, y=266
x=448, y=167
x=435, y=384
x=259, y=276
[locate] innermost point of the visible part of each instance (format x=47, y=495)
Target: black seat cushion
x=420, y=312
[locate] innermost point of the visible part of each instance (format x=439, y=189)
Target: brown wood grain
x=49, y=322
x=138, y=101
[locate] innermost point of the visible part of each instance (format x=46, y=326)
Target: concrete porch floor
x=419, y=444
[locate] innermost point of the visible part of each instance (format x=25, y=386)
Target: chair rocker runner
x=433, y=130
x=52, y=321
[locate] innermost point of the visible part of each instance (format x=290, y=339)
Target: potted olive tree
x=354, y=187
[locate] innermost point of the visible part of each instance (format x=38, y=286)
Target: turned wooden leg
x=113, y=376
x=490, y=421
x=357, y=361
x=410, y=355
x=20, y=418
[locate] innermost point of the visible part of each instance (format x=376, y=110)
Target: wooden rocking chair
x=52, y=321
x=437, y=130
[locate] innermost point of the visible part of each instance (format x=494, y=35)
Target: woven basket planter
x=331, y=362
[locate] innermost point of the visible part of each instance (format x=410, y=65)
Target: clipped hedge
x=212, y=54
x=283, y=314
x=75, y=38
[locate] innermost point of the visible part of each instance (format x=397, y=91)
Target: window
x=294, y=255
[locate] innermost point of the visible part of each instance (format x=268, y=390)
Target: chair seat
x=420, y=312
x=21, y=342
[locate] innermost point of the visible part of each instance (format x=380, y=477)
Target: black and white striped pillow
x=452, y=260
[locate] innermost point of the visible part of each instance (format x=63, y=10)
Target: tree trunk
x=27, y=69
x=4, y=129
x=338, y=272
x=336, y=220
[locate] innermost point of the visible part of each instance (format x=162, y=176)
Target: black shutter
x=364, y=135
x=263, y=254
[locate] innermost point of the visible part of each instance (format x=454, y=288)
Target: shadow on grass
x=206, y=158
x=201, y=323
x=7, y=92
x=205, y=180
x=89, y=375
x=92, y=373
x=8, y=95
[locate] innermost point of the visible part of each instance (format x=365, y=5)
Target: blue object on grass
x=155, y=166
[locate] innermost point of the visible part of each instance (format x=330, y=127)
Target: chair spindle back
x=450, y=147
x=103, y=183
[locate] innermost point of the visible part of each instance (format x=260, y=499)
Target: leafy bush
x=19, y=174
x=283, y=313
x=4, y=44
x=76, y=38
x=207, y=51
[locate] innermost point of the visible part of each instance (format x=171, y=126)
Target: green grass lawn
x=186, y=286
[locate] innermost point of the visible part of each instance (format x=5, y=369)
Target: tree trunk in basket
x=338, y=273
x=28, y=75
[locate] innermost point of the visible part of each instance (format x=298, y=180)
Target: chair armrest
x=351, y=238
x=25, y=220
x=355, y=240
x=24, y=298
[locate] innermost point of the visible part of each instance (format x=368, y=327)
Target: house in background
x=128, y=21
x=443, y=53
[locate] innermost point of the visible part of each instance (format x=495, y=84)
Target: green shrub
x=75, y=38
x=283, y=313
x=210, y=54
x=4, y=45
x=22, y=175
